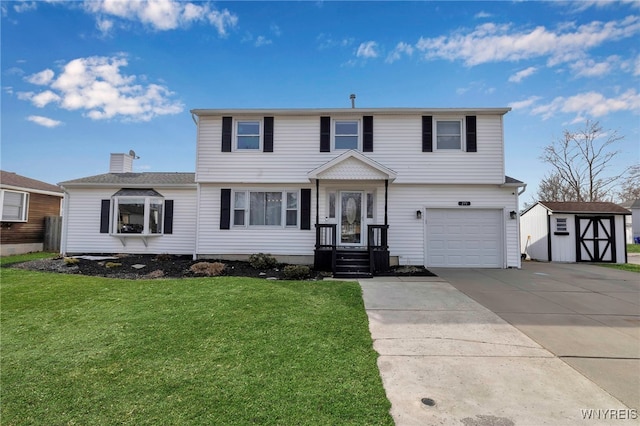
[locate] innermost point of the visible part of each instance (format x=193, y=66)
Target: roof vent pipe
x=353, y=100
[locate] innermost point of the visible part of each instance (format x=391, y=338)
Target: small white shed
x=574, y=232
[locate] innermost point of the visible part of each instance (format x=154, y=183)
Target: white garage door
x=464, y=238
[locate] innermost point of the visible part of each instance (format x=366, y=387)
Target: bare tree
x=553, y=188
x=580, y=162
x=630, y=188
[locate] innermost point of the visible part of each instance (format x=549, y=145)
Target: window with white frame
x=248, y=134
x=268, y=208
x=346, y=134
x=370, y=205
x=138, y=214
x=15, y=205
x=449, y=134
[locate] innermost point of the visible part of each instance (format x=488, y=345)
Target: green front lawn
x=633, y=248
x=85, y=350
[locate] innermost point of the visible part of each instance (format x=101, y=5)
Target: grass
x=631, y=267
x=633, y=248
x=89, y=350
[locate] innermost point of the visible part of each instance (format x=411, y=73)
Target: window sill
x=123, y=238
x=560, y=233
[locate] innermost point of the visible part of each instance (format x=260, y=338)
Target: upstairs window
x=138, y=212
x=14, y=206
x=248, y=135
x=346, y=134
x=449, y=134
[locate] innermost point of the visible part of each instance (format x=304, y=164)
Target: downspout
x=317, y=202
x=549, y=236
x=65, y=219
x=196, y=248
x=386, y=199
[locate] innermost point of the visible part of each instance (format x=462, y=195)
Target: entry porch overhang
x=352, y=166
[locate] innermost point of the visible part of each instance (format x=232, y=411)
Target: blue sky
x=83, y=79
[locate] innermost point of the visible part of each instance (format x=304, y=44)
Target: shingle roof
x=135, y=179
x=509, y=179
x=584, y=207
x=13, y=179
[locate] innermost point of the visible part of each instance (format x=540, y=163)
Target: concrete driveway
x=587, y=315
x=548, y=344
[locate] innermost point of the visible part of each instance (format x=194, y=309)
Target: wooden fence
x=52, y=233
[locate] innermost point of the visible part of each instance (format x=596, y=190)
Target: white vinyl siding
x=534, y=233
x=276, y=240
x=398, y=146
x=82, y=225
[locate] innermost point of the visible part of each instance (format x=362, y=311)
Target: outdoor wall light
x=513, y=214
x=418, y=214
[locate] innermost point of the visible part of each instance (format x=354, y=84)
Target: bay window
x=138, y=214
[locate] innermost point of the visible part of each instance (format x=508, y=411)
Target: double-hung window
x=449, y=134
x=346, y=134
x=248, y=134
x=138, y=213
x=265, y=208
x=15, y=205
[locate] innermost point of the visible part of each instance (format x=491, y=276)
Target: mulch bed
x=129, y=266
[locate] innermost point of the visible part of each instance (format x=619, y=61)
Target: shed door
x=464, y=238
x=596, y=239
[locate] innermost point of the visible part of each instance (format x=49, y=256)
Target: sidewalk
x=438, y=345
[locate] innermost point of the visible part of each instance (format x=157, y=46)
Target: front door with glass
x=351, y=218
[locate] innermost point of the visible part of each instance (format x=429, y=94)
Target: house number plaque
x=464, y=203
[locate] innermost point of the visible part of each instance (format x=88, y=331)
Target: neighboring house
x=346, y=189
x=24, y=204
x=633, y=221
x=574, y=232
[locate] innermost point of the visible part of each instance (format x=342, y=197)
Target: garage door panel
x=464, y=238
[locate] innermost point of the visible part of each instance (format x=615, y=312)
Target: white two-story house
x=343, y=189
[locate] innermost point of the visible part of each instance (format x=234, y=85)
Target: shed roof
x=583, y=207
x=134, y=179
x=17, y=181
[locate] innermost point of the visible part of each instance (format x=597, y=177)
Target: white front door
x=350, y=223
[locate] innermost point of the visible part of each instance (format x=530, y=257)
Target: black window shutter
x=367, y=133
x=305, y=208
x=427, y=133
x=227, y=124
x=268, y=135
x=325, y=134
x=225, y=208
x=472, y=140
x=168, y=217
x=104, y=216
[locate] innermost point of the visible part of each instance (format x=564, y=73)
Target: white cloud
x=104, y=25
x=25, y=6
x=262, y=41
x=521, y=75
x=400, y=49
x=96, y=86
x=482, y=15
x=494, y=43
x=161, y=15
x=592, y=104
x=367, y=50
x=326, y=41
x=44, y=121
x=525, y=103
x=591, y=68
x=42, y=78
